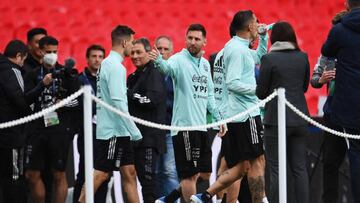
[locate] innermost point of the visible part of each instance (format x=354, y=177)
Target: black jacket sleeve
x=331, y=44
x=154, y=94
x=33, y=87
x=31, y=95
x=263, y=87
x=14, y=92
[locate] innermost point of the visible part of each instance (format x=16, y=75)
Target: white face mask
x=50, y=59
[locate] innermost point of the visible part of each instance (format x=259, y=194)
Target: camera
x=63, y=78
x=64, y=73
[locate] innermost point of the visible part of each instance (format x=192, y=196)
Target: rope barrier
x=174, y=128
x=319, y=125
x=39, y=114
x=184, y=128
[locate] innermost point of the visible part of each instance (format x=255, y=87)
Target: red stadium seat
x=74, y=21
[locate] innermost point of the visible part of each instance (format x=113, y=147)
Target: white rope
x=317, y=124
x=166, y=127
x=41, y=113
x=183, y=128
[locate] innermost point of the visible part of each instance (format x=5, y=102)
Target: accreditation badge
x=51, y=119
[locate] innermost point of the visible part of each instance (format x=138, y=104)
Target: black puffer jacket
x=343, y=43
x=12, y=103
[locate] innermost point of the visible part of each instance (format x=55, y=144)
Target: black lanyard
x=88, y=82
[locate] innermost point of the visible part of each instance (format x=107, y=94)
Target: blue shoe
x=196, y=198
x=160, y=200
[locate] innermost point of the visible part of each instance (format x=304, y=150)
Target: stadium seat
x=76, y=20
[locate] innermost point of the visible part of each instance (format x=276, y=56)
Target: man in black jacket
x=334, y=147
x=12, y=106
x=51, y=135
x=147, y=100
x=34, y=58
x=343, y=44
x=94, y=56
x=32, y=61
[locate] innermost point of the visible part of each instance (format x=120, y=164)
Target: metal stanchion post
x=88, y=142
x=282, y=145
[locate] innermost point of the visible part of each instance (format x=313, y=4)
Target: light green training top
x=239, y=62
x=220, y=89
x=111, y=88
x=193, y=89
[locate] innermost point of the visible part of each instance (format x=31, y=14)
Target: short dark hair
x=145, y=42
x=240, y=21
x=197, y=27
x=283, y=31
x=353, y=3
x=48, y=40
x=119, y=32
x=232, y=32
x=94, y=47
x=35, y=31
x=14, y=47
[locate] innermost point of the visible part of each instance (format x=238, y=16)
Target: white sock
x=265, y=200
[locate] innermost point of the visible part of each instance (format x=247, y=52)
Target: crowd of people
x=181, y=89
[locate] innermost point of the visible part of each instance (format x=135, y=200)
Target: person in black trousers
x=94, y=56
x=147, y=100
x=285, y=66
x=334, y=147
x=13, y=106
x=343, y=43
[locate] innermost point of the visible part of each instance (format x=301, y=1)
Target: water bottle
x=264, y=28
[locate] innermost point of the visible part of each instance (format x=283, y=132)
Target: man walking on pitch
x=114, y=133
x=193, y=96
x=246, y=154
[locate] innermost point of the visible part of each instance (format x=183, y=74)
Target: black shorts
x=113, y=153
x=224, y=145
x=244, y=141
x=47, y=147
x=192, y=153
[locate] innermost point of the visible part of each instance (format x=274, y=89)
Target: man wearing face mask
x=147, y=97
x=51, y=135
x=33, y=61
x=12, y=106
x=193, y=96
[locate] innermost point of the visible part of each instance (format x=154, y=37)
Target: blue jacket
x=343, y=43
x=169, y=99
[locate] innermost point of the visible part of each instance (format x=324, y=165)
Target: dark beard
x=194, y=54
